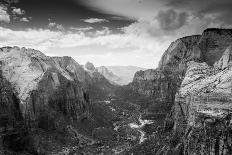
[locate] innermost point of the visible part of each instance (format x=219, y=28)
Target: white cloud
x=101, y=47
x=95, y=20
x=4, y=16
x=52, y=25
x=134, y=9
x=141, y=44
x=18, y=11
x=81, y=28
x=24, y=19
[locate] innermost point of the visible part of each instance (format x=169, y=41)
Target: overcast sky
x=108, y=32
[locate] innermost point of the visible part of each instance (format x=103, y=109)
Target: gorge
x=53, y=105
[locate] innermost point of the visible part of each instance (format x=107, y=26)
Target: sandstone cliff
x=208, y=47
x=203, y=107
x=196, y=72
x=37, y=79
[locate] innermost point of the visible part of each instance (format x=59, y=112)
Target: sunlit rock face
x=44, y=85
x=203, y=107
x=225, y=60
x=181, y=51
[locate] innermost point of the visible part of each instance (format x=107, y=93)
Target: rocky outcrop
x=89, y=66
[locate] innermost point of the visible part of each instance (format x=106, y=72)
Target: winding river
x=140, y=126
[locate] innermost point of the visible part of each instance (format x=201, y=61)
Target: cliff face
x=213, y=43
x=208, y=47
x=203, y=109
x=199, y=73
x=162, y=83
x=45, y=85
x=9, y=108
x=180, y=52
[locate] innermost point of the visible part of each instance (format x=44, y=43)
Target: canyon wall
x=200, y=102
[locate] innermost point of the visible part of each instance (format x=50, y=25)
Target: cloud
x=11, y=1
x=219, y=10
x=53, y=25
x=178, y=12
x=4, y=16
x=17, y=11
x=106, y=47
x=81, y=28
x=24, y=19
x=95, y=20
x=171, y=20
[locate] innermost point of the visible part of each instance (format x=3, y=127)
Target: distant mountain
x=125, y=73
x=114, y=79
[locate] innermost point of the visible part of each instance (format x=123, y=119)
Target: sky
x=108, y=32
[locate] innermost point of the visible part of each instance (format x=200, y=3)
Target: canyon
x=53, y=105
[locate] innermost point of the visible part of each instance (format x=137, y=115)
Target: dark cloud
x=219, y=10
x=171, y=20
x=11, y=1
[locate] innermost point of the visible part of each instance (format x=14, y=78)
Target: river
x=140, y=126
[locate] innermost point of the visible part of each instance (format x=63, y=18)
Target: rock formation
x=194, y=75
x=37, y=79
